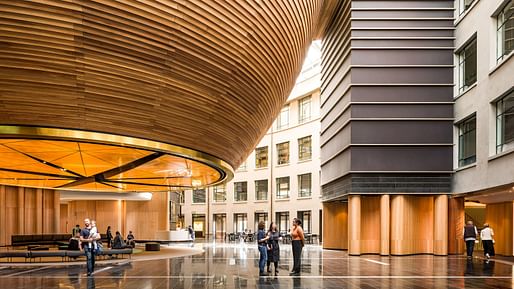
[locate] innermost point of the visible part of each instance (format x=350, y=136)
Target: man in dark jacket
x=470, y=233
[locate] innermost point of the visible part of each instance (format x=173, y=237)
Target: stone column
x=354, y=224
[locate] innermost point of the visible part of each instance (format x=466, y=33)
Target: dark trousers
x=90, y=257
x=269, y=262
x=470, y=245
x=488, y=247
x=297, y=255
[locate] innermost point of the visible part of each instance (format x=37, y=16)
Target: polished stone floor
x=235, y=265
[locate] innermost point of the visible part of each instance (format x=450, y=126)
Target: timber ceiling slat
x=206, y=75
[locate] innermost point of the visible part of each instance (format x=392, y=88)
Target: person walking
x=273, y=247
x=486, y=235
x=261, y=244
x=470, y=235
x=87, y=245
x=297, y=243
x=191, y=232
x=109, y=237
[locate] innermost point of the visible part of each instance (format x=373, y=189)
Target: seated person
x=118, y=242
x=131, y=240
x=74, y=244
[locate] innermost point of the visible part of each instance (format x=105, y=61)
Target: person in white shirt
x=487, y=235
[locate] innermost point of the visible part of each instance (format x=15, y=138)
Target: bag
x=99, y=248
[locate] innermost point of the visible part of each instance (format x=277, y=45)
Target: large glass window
x=468, y=65
x=464, y=5
x=505, y=31
x=240, y=223
x=261, y=157
x=306, y=218
x=304, y=148
x=219, y=194
x=283, y=117
x=283, y=188
x=505, y=123
x=261, y=190
x=304, y=185
x=240, y=191
x=198, y=196
x=467, y=141
x=304, y=109
x=283, y=153
x=282, y=222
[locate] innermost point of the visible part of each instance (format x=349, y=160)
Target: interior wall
x=105, y=213
x=412, y=225
x=145, y=218
x=27, y=211
x=500, y=219
x=370, y=225
x=455, y=224
x=335, y=226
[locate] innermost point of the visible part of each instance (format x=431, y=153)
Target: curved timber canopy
x=195, y=84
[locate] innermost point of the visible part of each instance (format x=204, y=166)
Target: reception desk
x=173, y=236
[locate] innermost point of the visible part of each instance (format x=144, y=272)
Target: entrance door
x=199, y=225
x=220, y=226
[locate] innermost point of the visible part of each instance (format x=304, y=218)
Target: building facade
x=279, y=181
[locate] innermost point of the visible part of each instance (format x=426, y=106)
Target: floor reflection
x=235, y=265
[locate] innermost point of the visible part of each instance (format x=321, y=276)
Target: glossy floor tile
x=235, y=265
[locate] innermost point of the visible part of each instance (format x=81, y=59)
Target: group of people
x=89, y=240
x=470, y=233
x=269, y=249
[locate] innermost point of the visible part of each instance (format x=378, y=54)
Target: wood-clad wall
x=27, y=211
x=455, y=225
x=500, y=219
x=412, y=224
x=335, y=226
x=144, y=218
x=370, y=225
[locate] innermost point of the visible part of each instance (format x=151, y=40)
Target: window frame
x=281, y=180
x=464, y=59
x=284, y=114
x=193, y=200
x=301, y=142
x=501, y=145
x=257, y=191
x=500, y=35
x=222, y=191
x=258, y=162
x=243, y=192
x=300, y=183
x=280, y=151
x=303, y=103
x=464, y=131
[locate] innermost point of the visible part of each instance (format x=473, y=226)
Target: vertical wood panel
x=354, y=224
x=500, y=219
x=384, y=224
x=441, y=225
x=3, y=226
x=39, y=211
x=20, y=198
x=64, y=226
x=335, y=225
x=455, y=225
x=370, y=225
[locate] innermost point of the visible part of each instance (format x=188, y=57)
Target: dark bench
x=31, y=255
x=45, y=239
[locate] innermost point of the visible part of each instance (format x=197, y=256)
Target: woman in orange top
x=298, y=241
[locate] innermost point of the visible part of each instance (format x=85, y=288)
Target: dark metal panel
x=402, y=93
x=402, y=57
x=402, y=111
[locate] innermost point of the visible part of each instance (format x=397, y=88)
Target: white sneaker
x=487, y=255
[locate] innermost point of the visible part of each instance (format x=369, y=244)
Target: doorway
x=199, y=225
x=219, y=226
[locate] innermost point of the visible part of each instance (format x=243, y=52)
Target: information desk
x=173, y=236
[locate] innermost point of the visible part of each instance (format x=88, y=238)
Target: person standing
x=261, y=244
x=109, y=237
x=486, y=235
x=297, y=243
x=191, y=232
x=470, y=235
x=273, y=247
x=87, y=245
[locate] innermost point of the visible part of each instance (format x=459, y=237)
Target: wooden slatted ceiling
x=207, y=75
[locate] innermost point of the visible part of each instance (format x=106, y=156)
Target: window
x=505, y=123
x=261, y=190
x=305, y=217
x=468, y=65
x=283, y=117
x=240, y=223
x=261, y=217
x=240, y=191
x=464, y=5
x=304, y=185
x=304, y=148
x=198, y=196
x=219, y=194
x=304, y=109
x=283, y=153
x=283, y=188
x=505, y=31
x=261, y=157
x=242, y=167
x=467, y=141
x=282, y=222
